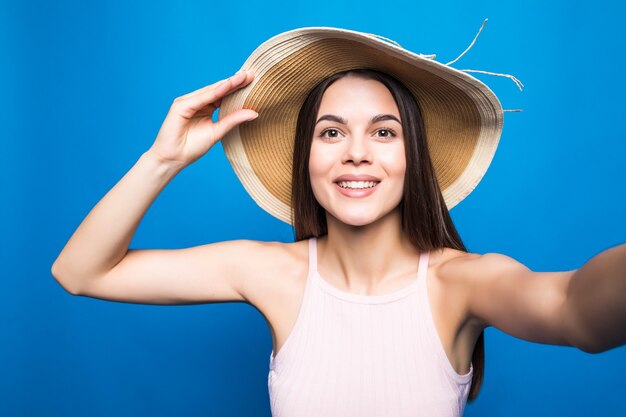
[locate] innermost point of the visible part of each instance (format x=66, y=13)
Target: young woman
x=376, y=308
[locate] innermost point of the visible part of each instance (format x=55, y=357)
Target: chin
x=364, y=217
x=356, y=219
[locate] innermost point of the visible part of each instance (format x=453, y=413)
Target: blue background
x=85, y=87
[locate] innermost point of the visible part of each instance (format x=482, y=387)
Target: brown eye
x=387, y=133
x=332, y=136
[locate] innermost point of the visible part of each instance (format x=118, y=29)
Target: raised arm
x=96, y=260
x=584, y=308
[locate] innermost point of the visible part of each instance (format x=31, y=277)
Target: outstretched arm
x=596, y=301
x=585, y=308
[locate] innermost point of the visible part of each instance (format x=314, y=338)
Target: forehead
x=350, y=94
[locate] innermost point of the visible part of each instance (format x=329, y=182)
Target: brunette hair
x=425, y=217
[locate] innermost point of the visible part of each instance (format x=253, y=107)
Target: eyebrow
x=375, y=119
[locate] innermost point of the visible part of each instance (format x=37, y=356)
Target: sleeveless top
x=364, y=355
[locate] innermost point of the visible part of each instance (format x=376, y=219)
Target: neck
x=361, y=258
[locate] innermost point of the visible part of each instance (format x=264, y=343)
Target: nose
x=357, y=150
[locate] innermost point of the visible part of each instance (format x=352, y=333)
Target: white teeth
x=357, y=184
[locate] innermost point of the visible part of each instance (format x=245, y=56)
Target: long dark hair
x=425, y=217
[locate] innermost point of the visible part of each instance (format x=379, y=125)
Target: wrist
x=163, y=166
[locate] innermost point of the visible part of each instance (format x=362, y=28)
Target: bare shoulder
x=450, y=265
x=459, y=275
x=463, y=268
x=493, y=289
x=504, y=293
x=446, y=267
x=276, y=270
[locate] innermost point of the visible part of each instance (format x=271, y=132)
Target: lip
x=364, y=192
x=355, y=177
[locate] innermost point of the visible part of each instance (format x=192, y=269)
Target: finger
x=207, y=111
x=247, y=78
x=238, y=80
x=227, y=123
x=193, y=104
x=205, y=88
x=234, y=78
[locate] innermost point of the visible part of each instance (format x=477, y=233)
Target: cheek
x=320, y=163
x=399, y=171
x=394, y=161
x=401, y=167
x=316, y=169
x=395, y=167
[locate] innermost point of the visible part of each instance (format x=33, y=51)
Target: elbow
x=580, y=333
x=583, y=341
x=591, y=344
x=55, y=271
x=591, y=348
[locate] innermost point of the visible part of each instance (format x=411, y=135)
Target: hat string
x=470, y=45
x=517, y=82
x=513, y=78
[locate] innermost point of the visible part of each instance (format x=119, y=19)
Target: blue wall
x=85, y=87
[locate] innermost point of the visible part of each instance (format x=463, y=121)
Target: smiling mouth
x=357, y=185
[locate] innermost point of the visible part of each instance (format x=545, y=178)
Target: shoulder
x=272, y=266
x=468, y=278
x=275, y=254
x=501, y=292
x=267, y=253
x=464, y=268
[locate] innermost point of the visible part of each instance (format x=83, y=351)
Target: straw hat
x=463, y=117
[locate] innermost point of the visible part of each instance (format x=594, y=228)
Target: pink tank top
x=364, y=355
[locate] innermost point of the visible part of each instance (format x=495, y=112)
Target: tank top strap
x=429, y=323
x=312, y=256
x=422, y=267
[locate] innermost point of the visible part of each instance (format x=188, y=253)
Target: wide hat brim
x=463, y=118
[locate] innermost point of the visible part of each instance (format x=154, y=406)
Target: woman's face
x=358, y=136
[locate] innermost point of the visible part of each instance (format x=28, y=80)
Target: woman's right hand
x=188, y=131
